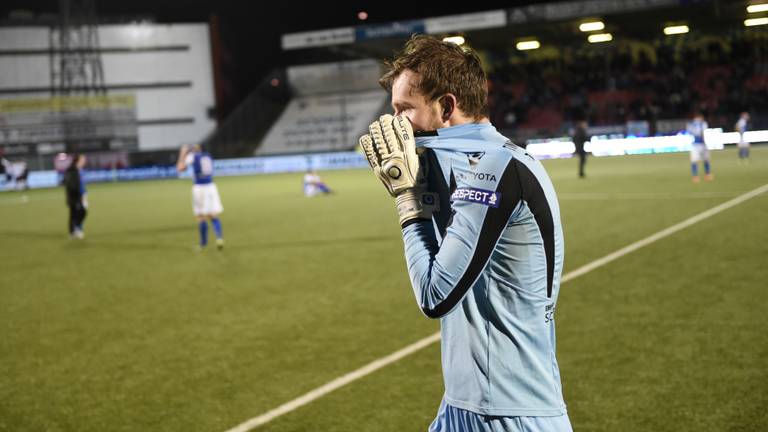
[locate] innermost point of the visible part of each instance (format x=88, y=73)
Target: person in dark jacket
x=77, y=200
x=580, y=136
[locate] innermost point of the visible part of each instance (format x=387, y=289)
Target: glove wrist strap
x=414, y=204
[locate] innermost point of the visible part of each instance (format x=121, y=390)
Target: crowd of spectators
x=622, y=81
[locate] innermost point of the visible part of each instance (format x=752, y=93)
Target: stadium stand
x=634, y=80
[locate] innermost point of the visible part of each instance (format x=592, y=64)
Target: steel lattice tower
x=76, y=66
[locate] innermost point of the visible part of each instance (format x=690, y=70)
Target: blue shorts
x=452, y=419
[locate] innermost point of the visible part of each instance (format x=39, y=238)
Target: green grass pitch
x=133, y=330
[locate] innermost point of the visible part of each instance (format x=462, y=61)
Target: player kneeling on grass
x=314, y=185
x=206, y=204
x=483, y=241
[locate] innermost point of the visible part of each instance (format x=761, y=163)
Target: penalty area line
x=375, y=365
x=335, y=384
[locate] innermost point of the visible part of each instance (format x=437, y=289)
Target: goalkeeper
x=483, y=240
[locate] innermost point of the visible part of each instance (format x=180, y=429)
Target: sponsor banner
x=48, y=148
x=314, y=124
x=610, y=146
x=348, y=35
x=619, y=144
x=393, y=29
x=464, y=22
x=284, y=164
x=337, y=36
x=221, y=167
x=573, y=9
x=52, y=178
x=128, y=174
x=325, y=78
x=68, y=103
x=43, y=179
x=551, y=148
x=86, y=122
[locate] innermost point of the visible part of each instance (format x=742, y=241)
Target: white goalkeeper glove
x=390, y=148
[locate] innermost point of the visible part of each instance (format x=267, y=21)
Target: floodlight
x=756, y=21
x=591, y=26
x=678, y=29
x=528, y=45
x=458, y=40
x=600, y=37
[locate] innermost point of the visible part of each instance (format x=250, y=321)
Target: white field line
x=27, y=199
x=23, y=199
x=335, y=384
x=423, y=343
x=663, y=233
x=590, y=196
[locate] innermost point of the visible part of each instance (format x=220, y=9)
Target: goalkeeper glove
x=390, y=148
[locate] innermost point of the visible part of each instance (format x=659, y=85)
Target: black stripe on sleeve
x=419, y=134
x=437, y=184
x=495, y=221
x=533, y=194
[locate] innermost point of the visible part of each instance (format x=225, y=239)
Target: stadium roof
x=251, y=35
x=252, y=38
x=553, y=23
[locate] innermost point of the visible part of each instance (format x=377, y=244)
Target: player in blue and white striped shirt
x=741, y=127
x=483, y=242
x=206, y=204
x=699, y=150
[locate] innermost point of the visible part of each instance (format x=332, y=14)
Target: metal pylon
x=76, y=66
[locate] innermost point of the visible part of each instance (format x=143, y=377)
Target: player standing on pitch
x=77, y=196
x=741, y=128
x=699, y=150
x=580, y=137
x=483, y=241
x=206, y=203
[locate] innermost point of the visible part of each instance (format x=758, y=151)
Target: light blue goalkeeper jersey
x=489, y=265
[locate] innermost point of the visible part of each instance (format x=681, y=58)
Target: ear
x=447, y=106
